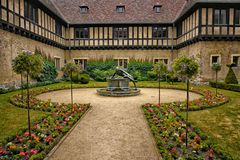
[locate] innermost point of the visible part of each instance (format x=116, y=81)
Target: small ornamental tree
x=160, y=69
x=68, y=70
x=28, y=64
x=231, y=77
x=186, y=68
x=216, y=67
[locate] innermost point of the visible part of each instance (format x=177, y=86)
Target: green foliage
x=160, y=68
x=152, y=75
x=101, y=75
x=231, y=77
x=28, y=62
x=49, y=72
x=139, y=70
x=101, y=70
x=71, y=67
x=216, y=67
x=84, y=78
x=185, y=67
x=80, y=78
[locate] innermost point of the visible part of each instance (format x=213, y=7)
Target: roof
x=104, y=11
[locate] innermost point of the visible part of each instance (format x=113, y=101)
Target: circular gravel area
x=114, y=129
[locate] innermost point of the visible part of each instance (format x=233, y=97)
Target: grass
x=221, y=123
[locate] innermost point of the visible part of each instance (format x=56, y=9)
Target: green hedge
x=221, y=85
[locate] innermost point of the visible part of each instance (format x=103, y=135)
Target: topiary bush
x=84, y=78
x=231, y=77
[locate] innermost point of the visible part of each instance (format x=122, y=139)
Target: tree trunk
x=22, y=88
x=187, y=113
x=216, y=82
x=159, y=89
x=28, y=107
x=71, y=91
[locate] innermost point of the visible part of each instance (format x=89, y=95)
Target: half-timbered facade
x=152, y=30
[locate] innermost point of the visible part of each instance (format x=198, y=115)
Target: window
x=157, y=8
x=57, y=63
x=164, y=60
x=30, y=11
x=215, y=59
x=120, y=9
x=159, y=32
x=236, y=60
x=121, y=63
x=220, y=16
x=58, y=28
x=120, y=33
x=81, y=33
x=83, y=9
x=81, y=62
x=237, y=16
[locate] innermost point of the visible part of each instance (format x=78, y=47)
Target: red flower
x=34, y=151
x=49, y=139
x=26, y=134
x=22, y=154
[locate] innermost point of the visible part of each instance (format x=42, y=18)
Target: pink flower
x=34, y=151
x=67, y=119
x=26, y=134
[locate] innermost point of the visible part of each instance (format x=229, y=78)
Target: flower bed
x=46, y=133
x=169, y=130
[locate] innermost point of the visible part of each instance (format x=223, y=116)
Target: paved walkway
x=114, y=129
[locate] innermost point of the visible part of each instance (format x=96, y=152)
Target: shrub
x=152, y=75
x=101, y=75
x=231, y=77
x=84, y=78
x=49, y=72
x=221, y=85
x=96, y=69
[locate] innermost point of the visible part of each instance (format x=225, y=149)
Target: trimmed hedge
x=221, y=85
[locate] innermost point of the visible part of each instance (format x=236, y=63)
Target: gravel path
x=114, y=129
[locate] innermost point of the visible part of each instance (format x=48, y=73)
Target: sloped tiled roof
x=104, y=11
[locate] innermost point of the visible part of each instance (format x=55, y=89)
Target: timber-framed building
x=152, y=30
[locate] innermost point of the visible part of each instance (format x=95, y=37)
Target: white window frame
x=118, y=59
x=161, y=59
x=55, y=62
x=84, y=60
x=236, y=55
x=215, y=55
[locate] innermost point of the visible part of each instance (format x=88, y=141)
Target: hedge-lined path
x=114, y=129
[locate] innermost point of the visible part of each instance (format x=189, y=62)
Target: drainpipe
x=172, y=47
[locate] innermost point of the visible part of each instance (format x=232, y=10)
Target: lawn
x=221, y=123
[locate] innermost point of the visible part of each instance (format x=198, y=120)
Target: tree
x=186, y=68
x=216, y=67
x=160, y=69
x=68, y=69
x=231, y=77
x=28, y=64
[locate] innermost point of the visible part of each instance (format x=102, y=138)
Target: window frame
x=237, y=19
x=120, y=7
x=220, y=18
x=120, y=62
x=159, y=33
x=57, y=63
x=83, y=9
x=122, y=32
x=84, y=31
x=58, y=28
x=156, y=7
x=215, y=55
x=83, y=62
x=30, y=11
x=236, y=55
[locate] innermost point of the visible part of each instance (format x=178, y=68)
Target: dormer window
x=84, y=9
x=157, y=8
x=120, y=9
